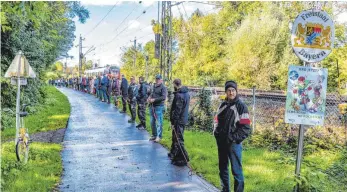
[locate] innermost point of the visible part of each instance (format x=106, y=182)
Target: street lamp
x=19, y=71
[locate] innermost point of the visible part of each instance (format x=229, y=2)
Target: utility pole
x=166, y=41
x=146, y=68
x=65, y=65
x=80, y=56
x=134, y=52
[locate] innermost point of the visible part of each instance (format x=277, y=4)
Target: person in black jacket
x=124, y=93
x=179, y=118
x=156, y=101
x=141, y=103
x=132, y=94
x=232, y=126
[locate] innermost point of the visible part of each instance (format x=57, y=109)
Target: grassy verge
x=51, y=115
x=264, y=170
x=44, y=167
x=41, y=173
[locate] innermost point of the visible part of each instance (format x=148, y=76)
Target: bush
x=201, y=117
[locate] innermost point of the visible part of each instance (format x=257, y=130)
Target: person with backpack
x=132, y=95
x=232, y=126
x=144, y=92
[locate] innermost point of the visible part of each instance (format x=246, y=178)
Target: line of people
x=231, y=122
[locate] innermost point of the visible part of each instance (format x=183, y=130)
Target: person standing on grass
x=156, y=101
x=132, y=94
x=232, y=126
x=141, y=103
x=124, y=93
x=178, y=119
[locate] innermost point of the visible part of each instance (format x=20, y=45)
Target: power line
x=206, y=3
x=145, y=36
x=102, y=19
x=115, y=29
x=124, y=19
x=129, y=24
x=102, y=45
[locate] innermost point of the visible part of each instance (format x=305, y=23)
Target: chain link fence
x=267, y=109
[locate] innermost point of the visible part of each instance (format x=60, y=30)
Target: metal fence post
x=253, y=118
x=299, y=154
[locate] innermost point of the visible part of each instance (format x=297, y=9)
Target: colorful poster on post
x=306, y=95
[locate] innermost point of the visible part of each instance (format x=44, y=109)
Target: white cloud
x=133, y=24
x=147, y=3
x=100, y=2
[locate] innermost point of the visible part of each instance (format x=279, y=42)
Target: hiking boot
x=138, y=126
x=179, y=163
x=170, y=155
x=131, y=121
x=157, y=140
x=152, y=138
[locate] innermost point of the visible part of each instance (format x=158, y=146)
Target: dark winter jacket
x=115, y=87
x=232, y=121
x=159, y=94
x=180, y=107
x=104, y=81
x=96, y=83
x=132, y=91
x=142, y=94
x=124, y=87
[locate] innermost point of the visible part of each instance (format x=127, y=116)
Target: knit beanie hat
x=230, y=83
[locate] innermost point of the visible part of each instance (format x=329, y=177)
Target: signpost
x=19, y=71
x=312, y=40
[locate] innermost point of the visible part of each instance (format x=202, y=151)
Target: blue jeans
x=105, y=94
x=157, y=120
x=230, y=152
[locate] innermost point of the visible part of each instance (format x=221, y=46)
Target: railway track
x=332, y=99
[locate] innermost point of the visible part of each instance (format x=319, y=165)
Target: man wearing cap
x=232, y=126
x=179, y=118
x=132, y=94
x=141, y=103
x=156, y=108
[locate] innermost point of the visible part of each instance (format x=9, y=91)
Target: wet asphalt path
x=103, y=152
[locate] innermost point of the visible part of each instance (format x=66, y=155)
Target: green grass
x=51, y=115
x=264, y=170
x=41, y=173
x=44, y=167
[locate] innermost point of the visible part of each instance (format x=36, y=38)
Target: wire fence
x=267, y=109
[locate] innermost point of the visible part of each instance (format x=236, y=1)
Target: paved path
x=103, y=152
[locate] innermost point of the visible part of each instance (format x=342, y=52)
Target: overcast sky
x=117, y=30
